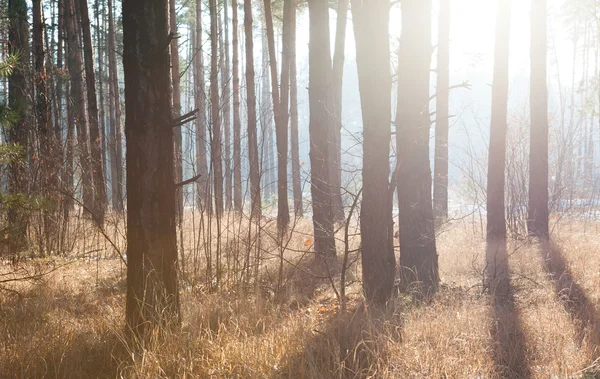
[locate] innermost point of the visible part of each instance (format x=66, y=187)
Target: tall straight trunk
x=75, y=67
x=95, y=137
x=338, y=78
x=538, y=166
x=215, y=137
x=225, y=80
x=418, y=255
x=203, y=186
x=296, y=181
x=255, y=200
x=440, y=181
x=102, y=106
x=176, y=86
x=372, y=57
x=237, y=125
x=18, y=33
x=115, y=144
x=59, y=66
x=266, y=148
x=48, y=151
x=320, y=100
x=496, y=219
x=152, y=289
x=280, y=108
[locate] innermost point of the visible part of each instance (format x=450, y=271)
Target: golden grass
x=71, y=324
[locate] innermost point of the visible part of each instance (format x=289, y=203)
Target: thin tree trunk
x=176, y=86
x=372, y=57
x=418, y=258
x=215, y=140
x=203, y=186
x=95, y=137
x=338, y=78
x=296, y=181
x=237, y=126
x=102, y=106
x=440, y=182
x=255, y=200
x=538, y=166
x=320, y=100
x=115, y=145
x=496, y=219
x=152, y=289
x=226, y=104
x=77, y=97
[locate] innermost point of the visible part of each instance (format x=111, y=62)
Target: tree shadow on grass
x=509, y=348
x=570, y=294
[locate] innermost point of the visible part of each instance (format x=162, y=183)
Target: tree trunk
x=100, y=39
x=280, y=108
x=296, y=181
x=176, y=86
x=440, y=182
x=95, y=138
x=255, y=200
x=203, y=186
x=18, y=34
x=237, y=125
x=372, y=57
x=116, y=139
x=215, y=138
x=225, y=84
x=320, y=100
x=538, y=166
x=77, y=97
x=152, y=292
x=496, y=219
x=338, y=79
x=418, y=255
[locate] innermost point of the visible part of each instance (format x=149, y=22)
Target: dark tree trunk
x=296, y=181
x=100, y=39
x=418, y=255
x=280, y=108
x=176, y=86
x=374, y=79
x=225, y=84
x=152, y=292
x=440, y=182
x=320, y=100
x=255, y=201
x=18, y=34
x=203, y=186
x=237, y=125
x=496, y=219
x=215, y=137
x=538, y=166
x=95, y=137
x=338, y=78
x=75, y=67
x=115, y=144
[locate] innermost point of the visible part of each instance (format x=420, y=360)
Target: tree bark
x=338, y=78
x=95, y=137
x=215, y=138
x=320, y=100
x=152, y=289
x=418, y=255
x=372, y=57
x=296, y=181
x=496, y=219
x=75, y=67
x=237, y=125
x=440, y=182
x=225, y=84
x=538, y=166
x=255, y=200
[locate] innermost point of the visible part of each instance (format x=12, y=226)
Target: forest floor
x=69, y=324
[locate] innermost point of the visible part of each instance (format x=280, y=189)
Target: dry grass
x=71, y=324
